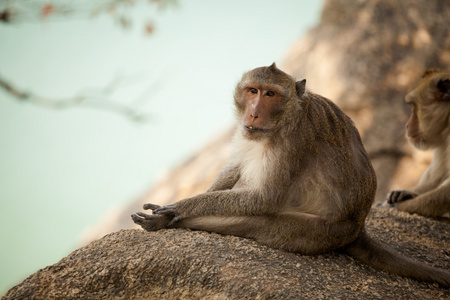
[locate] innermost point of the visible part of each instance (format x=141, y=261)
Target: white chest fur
x=255, y=161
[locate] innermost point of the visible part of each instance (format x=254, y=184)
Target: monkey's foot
x=400, y=196
x=151, y=222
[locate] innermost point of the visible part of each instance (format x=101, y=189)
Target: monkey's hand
x=169, y=211
x=400, y=196
x=151, y=222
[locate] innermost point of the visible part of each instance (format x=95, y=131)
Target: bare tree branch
x=19, y=11
x=99, y=98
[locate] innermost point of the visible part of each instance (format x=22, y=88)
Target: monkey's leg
x=293, y=232
x=432, y=204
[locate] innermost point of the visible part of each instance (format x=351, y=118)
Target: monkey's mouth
x=253, y=128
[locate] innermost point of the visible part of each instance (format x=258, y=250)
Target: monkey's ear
x=273, y=67
x=444, y=88
x=300, y=87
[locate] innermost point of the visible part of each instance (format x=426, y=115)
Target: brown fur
x=429, y=128
x=298, y=180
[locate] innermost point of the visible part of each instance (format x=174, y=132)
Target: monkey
x=429, y=128
x=298, y=179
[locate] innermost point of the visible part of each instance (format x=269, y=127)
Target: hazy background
x=61, y=170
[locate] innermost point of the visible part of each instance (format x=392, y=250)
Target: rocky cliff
x=183, y=264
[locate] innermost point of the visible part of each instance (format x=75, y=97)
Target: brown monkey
x=299, y=179
x=429, y=128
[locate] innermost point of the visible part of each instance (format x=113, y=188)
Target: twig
x=99, y=98
x=19, y=11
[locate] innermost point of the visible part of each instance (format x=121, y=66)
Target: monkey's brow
x=263, y=86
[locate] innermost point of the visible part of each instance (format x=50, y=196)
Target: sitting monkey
x=299, y=179
x=429, y=128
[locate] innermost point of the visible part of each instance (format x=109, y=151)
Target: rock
x=184, y=264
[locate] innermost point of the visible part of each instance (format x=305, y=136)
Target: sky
x=61, y=170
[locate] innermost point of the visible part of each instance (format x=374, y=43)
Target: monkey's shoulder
x=321, y=104
x=328, y=119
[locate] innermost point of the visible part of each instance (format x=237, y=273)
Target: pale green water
x=60, y=171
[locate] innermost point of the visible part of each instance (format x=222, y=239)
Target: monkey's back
x=337, y=144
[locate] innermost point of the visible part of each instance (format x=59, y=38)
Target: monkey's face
x=428, y=125
x=264, y=97
x=263, y=104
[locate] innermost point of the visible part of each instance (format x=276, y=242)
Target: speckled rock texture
x=183, y=264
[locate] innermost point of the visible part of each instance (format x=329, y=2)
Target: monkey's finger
x=393, y=197
x=398, y=196
x=165, y=210
x=151, y=206
x=137, y=219
x=145, y=216
x=389, y=198
x=405, y=195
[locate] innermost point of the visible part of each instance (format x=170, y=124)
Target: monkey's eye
x=253, y=91
x=270, y=93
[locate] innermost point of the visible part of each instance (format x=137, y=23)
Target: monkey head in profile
x=429, y=128
x=298, y=179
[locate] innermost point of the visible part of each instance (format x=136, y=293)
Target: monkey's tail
x=382, y=258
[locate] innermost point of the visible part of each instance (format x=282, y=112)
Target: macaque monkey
x=429, y=128
x=299, y=179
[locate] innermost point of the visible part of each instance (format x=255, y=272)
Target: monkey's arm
x=433, y=203
x=226, y=179
x=167, y=215
x=237, y=202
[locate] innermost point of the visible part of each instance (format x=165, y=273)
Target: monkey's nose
x=254, y=116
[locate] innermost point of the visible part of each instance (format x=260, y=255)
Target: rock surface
x=183, y=264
